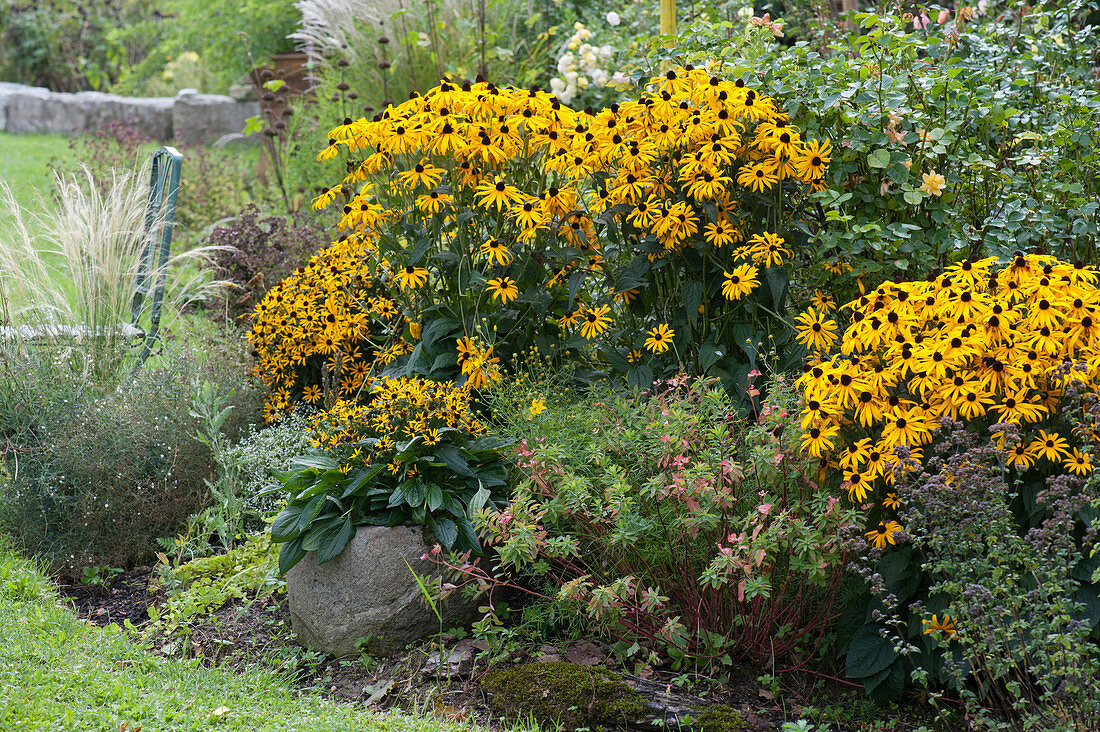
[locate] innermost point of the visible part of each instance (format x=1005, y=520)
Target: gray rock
x=34, y=109
x=368, y=593
x=203, y=118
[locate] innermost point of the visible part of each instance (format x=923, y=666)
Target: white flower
x=599, y=77
x=557, y=86
x=613, y=18
x=620, y=79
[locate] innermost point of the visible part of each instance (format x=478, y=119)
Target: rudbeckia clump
x=650, y=237
x=980, y=343
x=414, y=452
x=996, y=354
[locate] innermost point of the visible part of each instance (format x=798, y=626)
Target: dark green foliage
x=453, y=482
x=71, y=45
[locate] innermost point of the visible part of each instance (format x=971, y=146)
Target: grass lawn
x=59, y=672
x=25, y=161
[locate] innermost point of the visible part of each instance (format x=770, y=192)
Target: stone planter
x=368, y=593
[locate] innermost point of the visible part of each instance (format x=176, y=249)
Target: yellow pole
x=668, y=17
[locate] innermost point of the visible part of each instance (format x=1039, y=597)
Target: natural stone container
x=368, y=593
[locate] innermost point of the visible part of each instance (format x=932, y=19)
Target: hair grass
x=68, y=268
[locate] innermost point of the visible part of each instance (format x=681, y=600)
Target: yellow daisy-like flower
x=423, y=173
x=740, y=282
x=818, y=440
x=496, y=251
x=312, y=394
x=759, y=177
x=504, y=288
x=410, y=277
x=720, y=233
x=810, y=164
x=660, y=338
x=935, y=625
x=1078, y=463
x=595, y=322
x=823, y=302
x=814, y=331
x=883, y=534
x=1050, y=446
x=433, y=202
x=891, y=501
x=766, y=249
x=1020, y=456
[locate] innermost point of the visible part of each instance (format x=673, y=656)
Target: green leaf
x=447, y=532
x=575, y=281
x=419, y=250
x=868, y=653
x=710, y=354
x=880, y=158
x=693, y=297
x=453, y=459
x=290, y=554
x=311, y=510
x=319, y=461
x=434, y=497
x=414, y=492
x=285, y=526
x=777, y=286
x=362, y=478
x=913, y=198
x=437, y=329
x=887, y=685
x=640, y=378
x=334, y=539
x=254, y=124
x=478, y=502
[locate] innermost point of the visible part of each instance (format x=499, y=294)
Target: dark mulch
x=126, y=598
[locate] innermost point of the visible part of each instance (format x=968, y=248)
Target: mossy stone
x=720, y=718
x=566, y=694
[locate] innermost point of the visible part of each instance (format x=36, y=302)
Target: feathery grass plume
x=67, y=270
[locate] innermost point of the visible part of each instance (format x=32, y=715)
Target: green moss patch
x=566, y=694
x=720, y=718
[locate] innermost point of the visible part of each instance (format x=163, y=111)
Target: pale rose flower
x=934, y=183
x=613, y=18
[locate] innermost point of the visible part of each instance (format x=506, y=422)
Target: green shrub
x=71, y=45
x=98, y=475
x=667, y=523
x=1003, y=106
